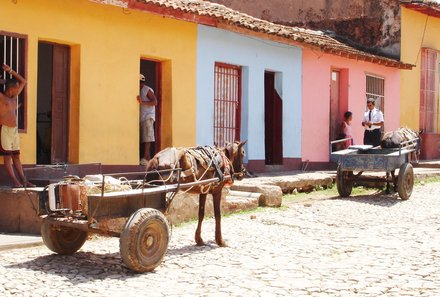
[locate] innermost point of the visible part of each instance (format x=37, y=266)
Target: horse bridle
x=240, y=174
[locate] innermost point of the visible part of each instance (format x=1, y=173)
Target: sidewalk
x=13, y=241
x=269, y=184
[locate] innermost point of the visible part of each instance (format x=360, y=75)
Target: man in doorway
x=10, y=140
x=373, y=122
x=147, y=101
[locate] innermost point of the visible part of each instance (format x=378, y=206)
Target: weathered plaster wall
x=371, y=23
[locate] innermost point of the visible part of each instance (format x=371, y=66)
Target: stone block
x=271, y=196
x=185, y=206
x=18, y=213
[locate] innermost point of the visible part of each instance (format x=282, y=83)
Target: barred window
x=227, y=103
x=13, y=53
x=429, y=91
x=375, y=88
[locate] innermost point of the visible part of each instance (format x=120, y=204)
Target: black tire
x=344, y=185
x=62, y=240
x=405, y=181
x=144, y=240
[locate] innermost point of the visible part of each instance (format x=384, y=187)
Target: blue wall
x=255, y=56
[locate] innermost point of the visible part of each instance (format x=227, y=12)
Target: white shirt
x=376, y=117
x=147, y=112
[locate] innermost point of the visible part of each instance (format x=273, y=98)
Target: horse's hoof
x=200, y=242
x=222, y=243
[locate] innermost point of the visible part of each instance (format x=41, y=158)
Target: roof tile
x=306, y=37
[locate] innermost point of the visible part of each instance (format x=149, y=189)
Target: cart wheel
x=62, y=240
x=144, y=240
x=344, y=185
x=405, y=181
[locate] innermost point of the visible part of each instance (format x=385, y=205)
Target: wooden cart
x=135, y=215
x=361, y=158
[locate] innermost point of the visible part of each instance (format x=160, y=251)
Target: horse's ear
x=242, y=143
x=228, y=150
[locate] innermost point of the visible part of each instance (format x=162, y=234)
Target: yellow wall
x=107, y=44
x=415, y=37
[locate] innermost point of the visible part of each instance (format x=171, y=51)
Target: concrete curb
x=16, y=241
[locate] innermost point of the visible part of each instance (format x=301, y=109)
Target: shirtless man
x=10, y=141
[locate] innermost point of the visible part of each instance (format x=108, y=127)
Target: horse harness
x=210, y=159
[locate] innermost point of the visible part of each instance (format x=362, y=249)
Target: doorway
x=335, y=104
x=53, y=103
x=152, y=70
x=273, y=120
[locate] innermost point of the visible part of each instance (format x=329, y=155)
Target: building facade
x=420, y=105
x=219, y=76
x=82, y=62
x=333, y=85
x=267, y=107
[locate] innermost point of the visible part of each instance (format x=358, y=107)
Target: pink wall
x=316, y=99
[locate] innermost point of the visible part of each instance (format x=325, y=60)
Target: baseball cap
x=141, y=77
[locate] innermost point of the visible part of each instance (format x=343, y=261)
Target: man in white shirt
x=147, y=101
x=373, y=121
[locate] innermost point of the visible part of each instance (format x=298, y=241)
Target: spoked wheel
x=62, y=240
x=343, y=184
x=144, y=240
x=405, y=181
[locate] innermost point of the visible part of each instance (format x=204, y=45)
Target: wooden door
x=60, y=103
x=158, y=121
x=273, y=105
x=335, y=110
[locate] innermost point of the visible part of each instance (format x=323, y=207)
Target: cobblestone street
x=362, y=246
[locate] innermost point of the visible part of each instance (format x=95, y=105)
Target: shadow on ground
x=83, y=267
x=379, y=198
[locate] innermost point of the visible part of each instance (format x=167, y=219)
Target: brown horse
x=201, y=163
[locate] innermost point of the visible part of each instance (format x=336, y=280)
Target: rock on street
x=361, y=246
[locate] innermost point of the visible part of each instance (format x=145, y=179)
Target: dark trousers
x=372, y=137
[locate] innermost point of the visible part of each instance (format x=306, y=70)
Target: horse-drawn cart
x=73, y=208
x=360, y=158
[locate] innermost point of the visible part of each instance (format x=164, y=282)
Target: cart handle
x=338, y=141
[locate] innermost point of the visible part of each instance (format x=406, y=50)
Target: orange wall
x=107, y=44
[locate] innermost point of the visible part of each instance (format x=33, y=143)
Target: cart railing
x=406, y=146
x=338, y=141
x=140, y=183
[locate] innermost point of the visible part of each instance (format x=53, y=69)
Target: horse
x=201, y=163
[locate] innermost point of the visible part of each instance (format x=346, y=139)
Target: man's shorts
x=10, y=141
x=147, y=131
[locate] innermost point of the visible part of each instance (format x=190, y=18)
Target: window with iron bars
x=375, y=88
x=429, y=91
x=12, y=53
x=227, y=103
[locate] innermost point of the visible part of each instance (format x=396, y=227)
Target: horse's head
x=235, y=153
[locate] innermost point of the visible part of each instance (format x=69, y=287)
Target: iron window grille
x=13, y=52
x=375, y=88
x=429, y=90
x=227, y=103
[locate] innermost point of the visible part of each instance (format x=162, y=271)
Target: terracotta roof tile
x=224, y=15
x=430, y=7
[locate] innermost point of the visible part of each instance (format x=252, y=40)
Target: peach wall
x=317, y=68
